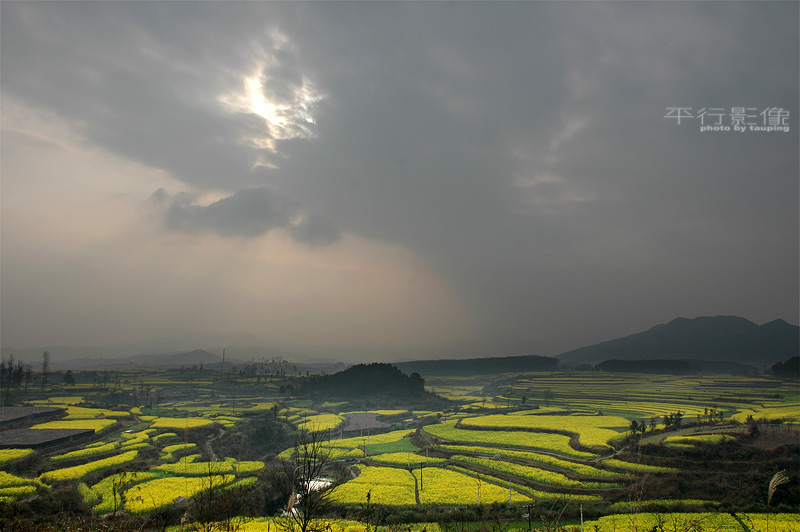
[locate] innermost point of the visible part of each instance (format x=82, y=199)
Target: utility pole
x=529, y=517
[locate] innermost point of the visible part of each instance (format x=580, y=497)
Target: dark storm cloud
x=249, y=212
x=521, y=147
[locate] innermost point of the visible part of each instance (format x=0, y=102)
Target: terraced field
x=561, y=438
x=554, y=443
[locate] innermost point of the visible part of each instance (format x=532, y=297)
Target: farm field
x=559, y=441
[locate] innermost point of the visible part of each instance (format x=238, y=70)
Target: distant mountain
x=717, y=338
x=198, y=356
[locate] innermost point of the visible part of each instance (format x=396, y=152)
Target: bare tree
x=45, y=367
x=308, y=481
x=119, y=484
x=219, y=504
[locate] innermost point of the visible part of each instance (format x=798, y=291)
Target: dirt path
x=209, y=440
x=416, y=488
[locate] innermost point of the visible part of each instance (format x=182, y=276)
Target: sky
x=510, y=177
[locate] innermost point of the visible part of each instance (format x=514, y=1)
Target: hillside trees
x=788, y=369
x=12, y=377
x=366, y=380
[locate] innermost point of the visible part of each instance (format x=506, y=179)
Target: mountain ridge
x=711, y=338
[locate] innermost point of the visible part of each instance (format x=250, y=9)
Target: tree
x=548, y=396
x=45, y=367
x=6, y=372
x=307, y=482
x=789, y=369
x=69, y=378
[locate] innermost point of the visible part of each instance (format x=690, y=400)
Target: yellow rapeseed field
x=95, y=424
x=180, y=423
x=390, y=486
x=9, y=455
x=78, y=472
x=593, y=431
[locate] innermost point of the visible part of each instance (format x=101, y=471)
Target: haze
x=393, y=175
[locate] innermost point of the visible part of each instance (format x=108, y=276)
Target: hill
x=367, y=380
x=709, y=338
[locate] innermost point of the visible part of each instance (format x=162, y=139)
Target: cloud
x=248, y=213
x=316, y=230
x=519, y=147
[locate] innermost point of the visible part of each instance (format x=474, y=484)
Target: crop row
x=557, y=443
x=9, y=455
x=196, y=469
x=81, y=412
x=789, y=412
x=538, y=458
x=718, y=522
x=57, y=401
x=659, y=504
x=95, y=424
x=180, y=423
x=405, y=459
x=393, y=486
x=699, y=438
x=641, y=468
x=164, y=436
x=526, y=491
x=593, y=431
x=171, y=450
x=534, y=474
x=158, y=493
x=150, y=490
x=101, y=496
x=402, y=445
x=85, y=452
x=78, y=472
x=385, y=485
x=273, y=524
x=447, y=486
x=7, y=480
x=367, y=439
x=349, y=447
x=319, y=422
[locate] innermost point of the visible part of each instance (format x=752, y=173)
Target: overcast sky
x=394, y=174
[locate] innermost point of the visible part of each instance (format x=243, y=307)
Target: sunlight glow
x=288, y=119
